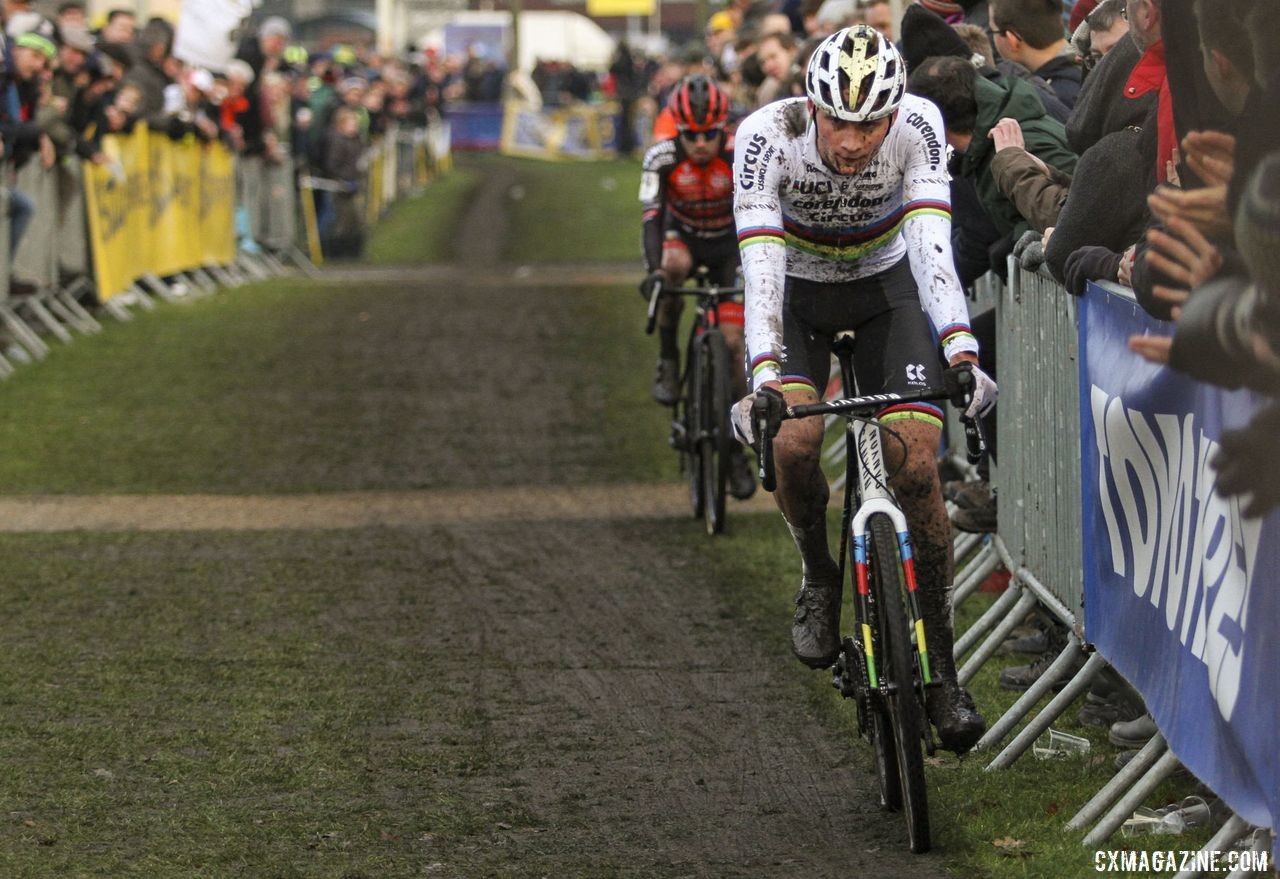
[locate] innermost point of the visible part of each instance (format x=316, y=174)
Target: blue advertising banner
x=1181, y=592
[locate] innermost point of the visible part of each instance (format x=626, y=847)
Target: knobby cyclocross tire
x=716, y=431
x=690, y=408
x=898, y=667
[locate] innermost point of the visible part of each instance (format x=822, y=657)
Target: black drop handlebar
x=658, y=290
x=767, y=414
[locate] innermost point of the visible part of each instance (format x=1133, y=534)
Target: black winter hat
x=925, y=34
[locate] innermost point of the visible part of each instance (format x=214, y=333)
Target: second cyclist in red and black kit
x=686, y=190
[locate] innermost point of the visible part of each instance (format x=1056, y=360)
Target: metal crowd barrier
x=54, y=259
x=1039, y=540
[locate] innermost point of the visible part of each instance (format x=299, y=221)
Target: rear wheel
x=905, y=711
x=716, y=430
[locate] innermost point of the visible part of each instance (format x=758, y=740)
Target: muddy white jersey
x=797, y=217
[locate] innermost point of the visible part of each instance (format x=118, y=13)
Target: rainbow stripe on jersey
x=855, y=242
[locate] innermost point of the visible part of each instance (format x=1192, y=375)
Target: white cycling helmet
x=856, y=75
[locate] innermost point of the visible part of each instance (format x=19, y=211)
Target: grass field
x=420, y=229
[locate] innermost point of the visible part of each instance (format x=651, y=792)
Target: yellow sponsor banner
x=619, y=7
x=188, y=171
x=217, y=206
x=162, y=219
x=158, y=207
x=111, y=190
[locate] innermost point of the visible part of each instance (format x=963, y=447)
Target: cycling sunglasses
x=696, y=136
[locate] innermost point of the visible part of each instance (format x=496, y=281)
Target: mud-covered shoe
x=967, y=495
x=742, y=477
x=954, y=716
x=815, y=633
x=666, y=382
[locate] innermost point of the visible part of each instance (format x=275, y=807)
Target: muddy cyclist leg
x=918, y=491
x=676, y=265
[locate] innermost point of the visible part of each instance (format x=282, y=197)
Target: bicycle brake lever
x=652, y=320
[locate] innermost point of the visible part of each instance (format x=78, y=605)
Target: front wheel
x=688, y=415
x=905, y=710
x=717, y=432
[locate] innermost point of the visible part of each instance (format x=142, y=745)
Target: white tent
x=544, y=35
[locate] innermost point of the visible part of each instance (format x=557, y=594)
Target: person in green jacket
x=971, y=107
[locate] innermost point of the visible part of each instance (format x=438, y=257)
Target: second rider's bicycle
x=700, y=427
x=884, y=664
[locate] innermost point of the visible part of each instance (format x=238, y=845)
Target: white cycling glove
x=740, y=415
x=985, y=393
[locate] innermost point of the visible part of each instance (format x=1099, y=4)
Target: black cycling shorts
x=895, y=349
x=719, y=253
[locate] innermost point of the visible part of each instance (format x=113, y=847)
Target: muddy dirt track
x=651, y=735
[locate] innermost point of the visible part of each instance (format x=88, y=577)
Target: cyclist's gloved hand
x=984, y=396
x=646, y=286
x=767, y=403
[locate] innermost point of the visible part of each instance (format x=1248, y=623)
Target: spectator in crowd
x=72, y=14
x=121, y=27
x=1029, y=32
x=149, y=73
x=1101, y=31
x=879, y=15
x=625, y=75
x=776, y=53
x=343, y=233
x=973, y=108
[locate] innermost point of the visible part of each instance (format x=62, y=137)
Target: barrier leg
x=251, y=267
x=73, y=314
x=277, y=268
x=1031, y=697
x=976, y=571
x=1233, y=829
x=299, y=259
x=1060, y=703
x=1141, y=762
x=117, y=309
x=983, y=624
x=1261, y=843
x=965, y=544
x=1142, y=788
x=68, y=297
x=6, y=368
x=159, y=287
x=989, y=647
x=42, y=314
x=22, y=333
x=143, y=297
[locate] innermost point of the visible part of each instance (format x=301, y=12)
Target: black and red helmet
x=698, y=104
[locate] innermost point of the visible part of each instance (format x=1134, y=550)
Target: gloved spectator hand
x=1030, y=250
x=1246, y=463
x=1087, y=264
x=646, y=286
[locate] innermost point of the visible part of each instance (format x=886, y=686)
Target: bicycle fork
x=874, y=494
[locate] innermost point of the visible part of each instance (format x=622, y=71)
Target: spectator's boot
x=948, y=704
x=742, y=478
x=815, y=630
x=666, y=381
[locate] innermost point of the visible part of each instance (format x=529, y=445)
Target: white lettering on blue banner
x=1191, y=552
